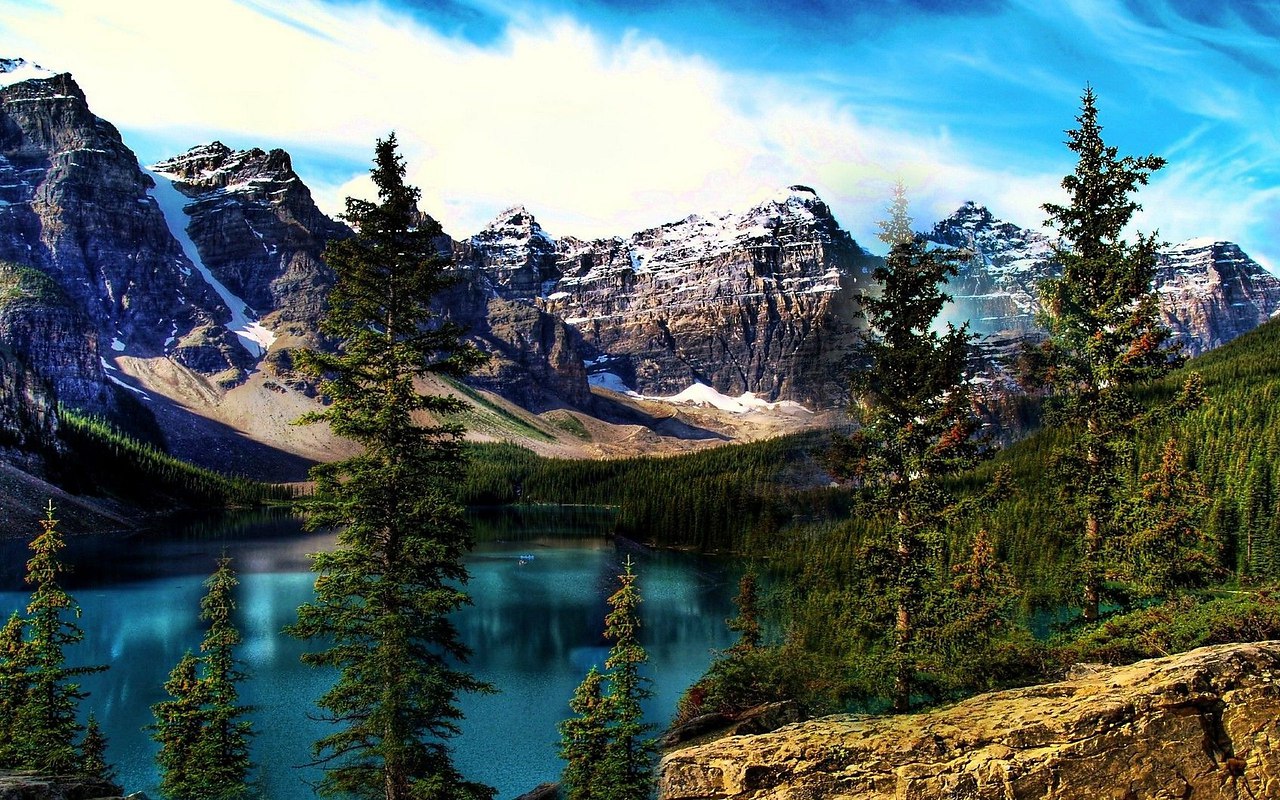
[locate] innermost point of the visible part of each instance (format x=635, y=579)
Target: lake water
x=535, y=629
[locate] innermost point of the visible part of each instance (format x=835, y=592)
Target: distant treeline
x=101, y=459
x=709, y=500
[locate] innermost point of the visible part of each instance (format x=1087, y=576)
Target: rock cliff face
x=1210, y=292
x=257, y=230
x=759, y=301
x=1202, y=725
x=28, y=414
x=75, y=206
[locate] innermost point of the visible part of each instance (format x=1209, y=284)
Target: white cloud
x=597, y=136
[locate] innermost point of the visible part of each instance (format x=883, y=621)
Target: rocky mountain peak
x=1210, y=291
x=215, y=166
x=257, y=230
x=513, y=255
x=1000, y=244
x=17, y=70
x=513, y=225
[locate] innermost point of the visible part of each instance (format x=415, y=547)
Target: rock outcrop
x=28, y=414
x=1203, y=724
x=33, y=786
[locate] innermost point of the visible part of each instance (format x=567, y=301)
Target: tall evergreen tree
x=204, y=742
x=223, y=749
x=384, y=596
x=45, y=727
x=1104, y=332
x=583, y=739
x=627, y=770
x=13, y=687
x=179, y=724
x=917, y=424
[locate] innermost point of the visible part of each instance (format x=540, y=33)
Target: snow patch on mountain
x=244, y=324
x=698, y=394
x=17, y=70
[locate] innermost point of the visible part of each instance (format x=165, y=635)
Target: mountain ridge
x=759, y=301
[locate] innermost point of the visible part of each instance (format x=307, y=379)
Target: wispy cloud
x=601, y=129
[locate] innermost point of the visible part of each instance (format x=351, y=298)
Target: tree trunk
x=1092, y=532
x=902, y=630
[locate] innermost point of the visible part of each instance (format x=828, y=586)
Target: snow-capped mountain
x=78, y=212
x=755, y=301
x=258, y=230
x=212, y=260
x=1210, y=292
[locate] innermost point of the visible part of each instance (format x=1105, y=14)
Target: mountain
x=184, y=288
x=1210, y=291
x=759, y=301
x=76, y=208
x=259, y=236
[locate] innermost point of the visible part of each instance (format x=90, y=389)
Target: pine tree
x=13, y=687
x=384, y=596
x=1104, y=332
x=1167, y=548
x=93, y=755
x=45, y=727
x=583, y=740
x=917, y=424
x=179, y=724
x=747, y=623
x=627, y=770
x=977, y=617
x=222, y=753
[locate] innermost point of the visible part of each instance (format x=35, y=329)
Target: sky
x=604, y=117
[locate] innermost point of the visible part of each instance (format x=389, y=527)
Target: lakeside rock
x=1203, y=724
x=34, y=786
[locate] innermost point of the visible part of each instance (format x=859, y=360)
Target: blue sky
x=604, y=116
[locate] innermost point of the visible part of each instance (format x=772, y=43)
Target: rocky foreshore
x=1203, y=724
x=34, y=786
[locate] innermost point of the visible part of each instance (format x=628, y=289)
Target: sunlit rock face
x=1201, y=724
x=1211, y=292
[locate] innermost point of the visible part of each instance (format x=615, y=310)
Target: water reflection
x=535, y=628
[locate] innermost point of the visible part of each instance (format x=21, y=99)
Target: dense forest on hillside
x=711, y=500
x=773, y=503
x=101, y=459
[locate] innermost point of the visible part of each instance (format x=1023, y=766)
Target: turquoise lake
x=535, y=629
